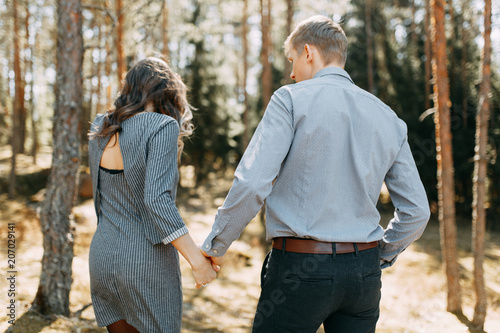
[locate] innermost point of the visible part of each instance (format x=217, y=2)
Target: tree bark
x=428, y=55
x=244, y=39
x=32, y=110
x=55, y=218
x=22, y=83
x=445, y=173
x=369, y=46
x=17, y=103
x=289, y=20
x=3, y=109
x=120, y=60
x=480, y=168
x=166, y=52
x=107, y=66
x=265, y=11
x=465, y=40
x=98, y=102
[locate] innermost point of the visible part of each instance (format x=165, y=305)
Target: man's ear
x=309, y=52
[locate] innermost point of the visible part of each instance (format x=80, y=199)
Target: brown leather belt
x=304, y=245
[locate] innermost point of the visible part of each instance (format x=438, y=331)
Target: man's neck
x=321, y=66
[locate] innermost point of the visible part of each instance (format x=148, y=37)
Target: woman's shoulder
x=150, y=117
x=153, y=121
x=99, y=118
x=96, y=125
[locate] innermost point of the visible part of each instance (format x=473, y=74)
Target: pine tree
x=52, y=296
x=480, y=166
x=445, y=174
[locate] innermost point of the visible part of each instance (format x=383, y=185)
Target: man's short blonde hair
x=323, y=33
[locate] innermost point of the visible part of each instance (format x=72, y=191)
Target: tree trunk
x=369, y=45
x=120, y=65
x=17, y=103
x=3, y=109
x=451, y=37
x=445, y=173
x=166, y=52
x=107, y=65
x=32, y=110
x=98, y=102
x=428, y=55
x=480, y=168
x=465, y=40
x=414, y=36
x=107, y=70
x=244, y=33
x=55, y=218
x=289, y=18
x=87, y=111
x=22, y=83
x=265, y=11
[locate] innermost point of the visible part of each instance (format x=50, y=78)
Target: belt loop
x=334, y=250
x=356, y=248
x=283, y=245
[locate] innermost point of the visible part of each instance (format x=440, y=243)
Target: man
x=320, y=156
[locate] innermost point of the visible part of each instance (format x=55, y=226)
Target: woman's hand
x=203, y=272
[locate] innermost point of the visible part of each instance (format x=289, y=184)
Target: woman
x=133, y=149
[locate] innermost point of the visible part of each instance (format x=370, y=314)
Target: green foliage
x=205, y=48
x=210, y=147
x=400, y=82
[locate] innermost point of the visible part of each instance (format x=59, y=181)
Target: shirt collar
x=333, y=71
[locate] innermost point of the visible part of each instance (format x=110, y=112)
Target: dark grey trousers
x=302, y=291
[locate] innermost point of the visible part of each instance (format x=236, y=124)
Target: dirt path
x=413, y=295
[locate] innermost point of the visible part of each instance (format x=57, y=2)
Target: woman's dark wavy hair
x=150, y=82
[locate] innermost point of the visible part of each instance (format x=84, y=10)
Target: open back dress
x=134, y=270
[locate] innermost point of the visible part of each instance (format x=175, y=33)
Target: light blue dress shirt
x=320, y=156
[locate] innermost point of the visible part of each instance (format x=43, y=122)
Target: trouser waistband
x=317, y=247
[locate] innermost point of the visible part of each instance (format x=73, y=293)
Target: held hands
x=204, y=272
x=216, y=261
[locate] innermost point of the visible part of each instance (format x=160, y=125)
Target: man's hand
x=216, y=261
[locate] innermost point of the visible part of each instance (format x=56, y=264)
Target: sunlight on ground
x=413, y=293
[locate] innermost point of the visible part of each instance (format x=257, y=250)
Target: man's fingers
x=217, y=260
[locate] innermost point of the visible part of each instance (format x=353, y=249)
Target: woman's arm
x=203, y=271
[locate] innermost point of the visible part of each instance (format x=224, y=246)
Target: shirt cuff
x=211, y=249
x=173, y=236
x=386, y=263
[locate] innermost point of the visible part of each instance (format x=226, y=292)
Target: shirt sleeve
x=411, y=206
x=253, y=178
x=160, y=182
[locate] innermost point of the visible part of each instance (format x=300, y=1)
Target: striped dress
x=134, y=270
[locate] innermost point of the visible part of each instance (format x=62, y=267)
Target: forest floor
x=413, y=292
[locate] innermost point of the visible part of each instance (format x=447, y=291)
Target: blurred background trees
x=217, y=46
x=229, y=53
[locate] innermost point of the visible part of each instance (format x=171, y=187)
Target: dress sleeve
x=161, y=182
